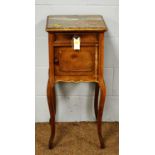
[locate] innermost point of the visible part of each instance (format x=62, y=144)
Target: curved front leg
x=51, y=104
x=54, y=102
x=100, y=112
x=96, y=99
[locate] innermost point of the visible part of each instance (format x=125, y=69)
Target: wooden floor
x=77, y=139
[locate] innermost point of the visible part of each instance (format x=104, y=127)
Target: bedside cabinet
x=76, y=52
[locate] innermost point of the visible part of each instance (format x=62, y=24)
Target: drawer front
x=84, y=37
x=70, y=62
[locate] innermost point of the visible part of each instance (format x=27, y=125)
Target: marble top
x=75, y=23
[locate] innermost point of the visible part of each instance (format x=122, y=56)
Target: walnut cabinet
x=76, y=54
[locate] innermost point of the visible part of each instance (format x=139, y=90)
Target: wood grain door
x=71, y=62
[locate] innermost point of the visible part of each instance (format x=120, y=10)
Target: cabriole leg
x=100, y=112
x=51, y=104
x=96, y=99
x=54, y=98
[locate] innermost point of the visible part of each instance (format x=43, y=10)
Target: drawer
x=70, y=62
x=84, y=37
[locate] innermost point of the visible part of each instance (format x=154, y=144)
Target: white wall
x=75, y=101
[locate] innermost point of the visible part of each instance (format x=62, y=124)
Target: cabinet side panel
x=101, y=55
x=51, y=55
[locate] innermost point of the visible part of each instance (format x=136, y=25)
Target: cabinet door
x=71, y=62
